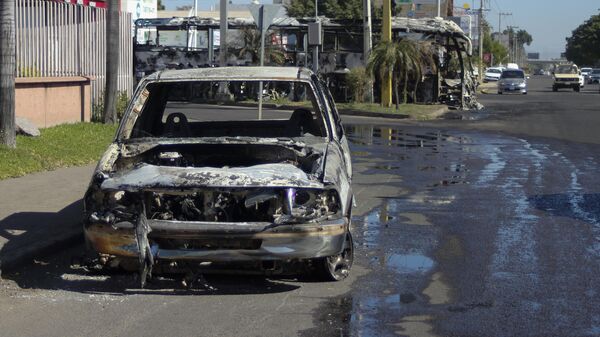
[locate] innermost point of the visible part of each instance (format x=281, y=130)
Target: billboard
x=420, y=8
x=140, y=9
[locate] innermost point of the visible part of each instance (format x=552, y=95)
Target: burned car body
x=205, y=168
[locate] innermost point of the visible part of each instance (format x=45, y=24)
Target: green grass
x=414, y=111
x=59, y=146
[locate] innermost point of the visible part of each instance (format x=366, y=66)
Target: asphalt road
x=481, y=227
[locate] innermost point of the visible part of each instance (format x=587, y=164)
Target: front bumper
x=222, y=242
x=566, y=84
x=509, y=88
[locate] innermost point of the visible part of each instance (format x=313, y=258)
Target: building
x=424, y=8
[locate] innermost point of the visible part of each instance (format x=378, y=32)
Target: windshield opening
x=229, y=109
x=513, y=74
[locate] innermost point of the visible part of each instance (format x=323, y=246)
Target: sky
x=549, y=22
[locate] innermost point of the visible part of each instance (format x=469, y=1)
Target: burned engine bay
x=183, y=182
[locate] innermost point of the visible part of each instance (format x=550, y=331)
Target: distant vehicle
x=512, y=81
x=594, y=76
x=512, y=66
x=539, y=72
x=567, y=76
x=492, y=74
x=586, y=73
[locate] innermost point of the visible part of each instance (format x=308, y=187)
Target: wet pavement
x=482, y=228
x=494, y=236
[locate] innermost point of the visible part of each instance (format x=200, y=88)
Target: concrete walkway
x=39, y=212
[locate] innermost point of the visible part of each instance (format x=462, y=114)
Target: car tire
x=337, y=267
x=499, y=92
x=576, y=89
x=525, y=93
x=555, y=89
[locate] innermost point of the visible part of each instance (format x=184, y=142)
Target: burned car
x=225, y=167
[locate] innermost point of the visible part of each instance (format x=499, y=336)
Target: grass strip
x=59, y=146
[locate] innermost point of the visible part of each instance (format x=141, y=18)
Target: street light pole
x=439, y=8
x=500, y=15
x=316, y=47
x=480, y=24
x=223, y=34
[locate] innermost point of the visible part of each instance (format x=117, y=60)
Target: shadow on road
x=60, y=273
x=25, y=234
x=583, y=207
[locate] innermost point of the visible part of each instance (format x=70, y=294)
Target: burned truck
x=185, y=43
x=202, y=174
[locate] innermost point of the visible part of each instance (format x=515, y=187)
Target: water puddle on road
x=409, y=263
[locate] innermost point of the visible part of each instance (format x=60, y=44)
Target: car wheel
x=576, y=89
x=525, y=93
x=555, y=89
x=337, y=267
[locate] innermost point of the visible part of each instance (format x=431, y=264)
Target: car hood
x=152, y=177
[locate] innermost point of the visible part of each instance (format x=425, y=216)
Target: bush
x=98, y=107
x=358, y=80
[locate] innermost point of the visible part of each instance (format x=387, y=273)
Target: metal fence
x=56, y=39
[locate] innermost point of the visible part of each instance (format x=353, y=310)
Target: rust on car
x=195, y=174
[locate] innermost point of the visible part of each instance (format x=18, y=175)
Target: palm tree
x=384, y=58
x=7, y=73
x=251, y=41
x=402, y=59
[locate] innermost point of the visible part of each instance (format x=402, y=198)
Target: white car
x=492, y=74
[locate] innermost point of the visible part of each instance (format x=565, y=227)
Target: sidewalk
x=39, y=212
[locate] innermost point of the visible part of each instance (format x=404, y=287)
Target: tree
x=251, y=40
x=160, y=6
x=7, y=73
x=112, y=67
x=583, y=46
x=335, y=9
x=400, y=58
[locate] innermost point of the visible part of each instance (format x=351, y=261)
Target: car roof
x=230, y=73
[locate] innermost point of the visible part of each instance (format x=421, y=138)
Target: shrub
x=358, y=80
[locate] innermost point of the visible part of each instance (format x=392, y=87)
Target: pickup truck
x=566, y=76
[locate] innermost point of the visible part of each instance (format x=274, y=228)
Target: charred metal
x=214, y=191
x=453, y=82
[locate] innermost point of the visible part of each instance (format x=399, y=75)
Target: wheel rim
x=339, y=265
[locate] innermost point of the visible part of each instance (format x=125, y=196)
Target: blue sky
x=548, y=21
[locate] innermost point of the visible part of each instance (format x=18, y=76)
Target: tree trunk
x=405, y=87
x=397, y=82
x=112, y=66
x=8, y=70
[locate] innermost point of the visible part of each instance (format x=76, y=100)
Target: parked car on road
x=594, y=76
x=512, y=81
x=200, y=173
x=492, y=74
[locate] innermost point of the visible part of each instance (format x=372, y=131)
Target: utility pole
x=439, y=8
x=386, y=35
x=500, y=15
x=223, y=34
x=512, y=43
x=316, y=47
x=480, y=24
x=367, y=41
x=8, y=70
x=112, y=67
